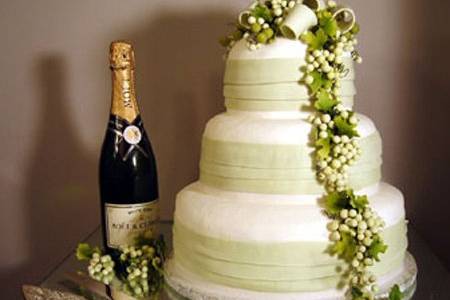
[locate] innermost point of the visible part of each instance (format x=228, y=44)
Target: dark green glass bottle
x=128, y=175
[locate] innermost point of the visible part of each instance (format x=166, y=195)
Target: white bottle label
x=125, y=223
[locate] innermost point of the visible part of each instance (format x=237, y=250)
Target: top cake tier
x=269, y=79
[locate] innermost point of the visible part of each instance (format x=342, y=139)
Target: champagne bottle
x=128, y=176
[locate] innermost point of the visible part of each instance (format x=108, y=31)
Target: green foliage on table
x=395, y=293
x=136, y=270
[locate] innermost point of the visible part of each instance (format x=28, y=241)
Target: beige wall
x=55, y=91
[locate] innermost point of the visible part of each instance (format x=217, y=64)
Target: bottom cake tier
x=182, y=284
x=273, y=243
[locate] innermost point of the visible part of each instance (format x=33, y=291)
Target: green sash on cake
x=279, y=91
x=278, y=169
x=275, y=84
x=274, y=266
x=270, y=71
x=276, y=105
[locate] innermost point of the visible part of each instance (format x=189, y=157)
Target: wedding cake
x=256, y=223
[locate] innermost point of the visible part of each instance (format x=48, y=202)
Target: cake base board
x=183, y=284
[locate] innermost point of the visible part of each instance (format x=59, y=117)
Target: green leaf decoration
x=376, y=248
x=345, y=248
x=395, y=293
x=355, y=29
x=359, y=202
x=329, y=25
x=318, y=82
x=325, y=101
x=335, y=202
x=237, y=35
x=324, y=148
x=225, y=41
x=262, y=11
x=85, y=252
x=308, y=37
x=315, y=41
x=358, y=294
x=344, y=127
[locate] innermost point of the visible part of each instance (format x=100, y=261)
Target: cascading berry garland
x=354, y=227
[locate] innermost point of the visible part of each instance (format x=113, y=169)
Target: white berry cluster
x=323, y=61
x=344, y=151
x=138, y=263
x=262, y=31
x=355, y=230
x=330, y=61
x=101, y=268
x=364, y=227
x=281, y=7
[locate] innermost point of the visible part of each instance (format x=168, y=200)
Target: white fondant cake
x=254, y=221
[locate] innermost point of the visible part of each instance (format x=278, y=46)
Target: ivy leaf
x=329, y=25
x=315, y=41
x=85, y=252
x=318, y=82
x=395, y=293
x=355, y=29
x=345, y=248
x=324, y=148
x=262, y=11
x=376, y=248
x=308, y=37
x=325, y=102
x=335, y=202
x=358, y=294
x=344, y=127
x=359, y=202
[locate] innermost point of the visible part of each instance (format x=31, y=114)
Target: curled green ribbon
x=303, y=17
x=300, y=19
x=345, y=18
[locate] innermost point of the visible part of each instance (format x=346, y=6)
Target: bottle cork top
x=121, y=55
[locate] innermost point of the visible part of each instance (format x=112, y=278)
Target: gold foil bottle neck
x=124, y=104
x=121, y=55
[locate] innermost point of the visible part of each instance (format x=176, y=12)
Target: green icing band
x=268, y=71
x=276, y=156
x=289, y=187
x=279, y=91
x=306, y=173
x=285, y=266
x=276, y=105
x=283, y=169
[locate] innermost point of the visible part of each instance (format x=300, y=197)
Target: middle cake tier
x=270, y=153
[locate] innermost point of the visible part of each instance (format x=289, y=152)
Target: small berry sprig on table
x=135, y=270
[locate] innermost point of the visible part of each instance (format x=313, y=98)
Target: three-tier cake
x=254, y=226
